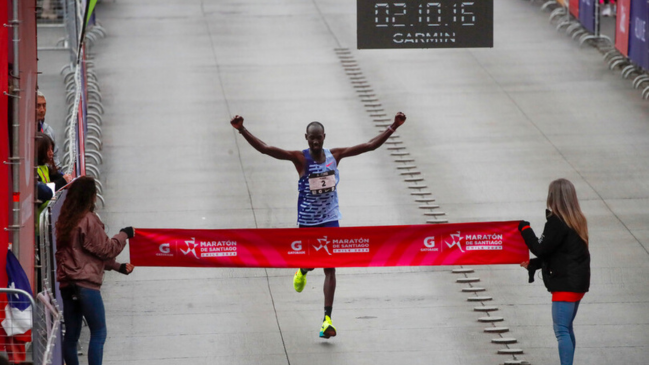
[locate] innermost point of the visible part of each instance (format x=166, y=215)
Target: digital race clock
x=424, y=24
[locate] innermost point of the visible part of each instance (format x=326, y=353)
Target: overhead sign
x=424, y=24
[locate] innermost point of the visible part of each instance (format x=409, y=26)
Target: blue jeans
x=563, y=314
x=88, y=304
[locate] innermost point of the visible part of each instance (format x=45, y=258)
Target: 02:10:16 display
x=431, y=14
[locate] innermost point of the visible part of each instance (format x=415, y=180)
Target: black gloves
x=522, y=225
x=534, y=264
x=122, y=269
x=130, y=232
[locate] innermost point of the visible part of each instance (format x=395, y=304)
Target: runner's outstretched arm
x=295, y=156
x=374, y=143
x=259, y=145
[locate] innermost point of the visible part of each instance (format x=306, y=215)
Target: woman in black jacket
x=563, y=257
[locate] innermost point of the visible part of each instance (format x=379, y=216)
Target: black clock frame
x=424, y=24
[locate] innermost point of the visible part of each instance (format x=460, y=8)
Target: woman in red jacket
x=84, y=251
x=563, y=257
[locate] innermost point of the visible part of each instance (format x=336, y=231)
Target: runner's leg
x=329, y=289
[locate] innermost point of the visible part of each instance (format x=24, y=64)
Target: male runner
x=317, y=205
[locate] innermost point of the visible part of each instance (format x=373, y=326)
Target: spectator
x=41, y=126
x=563, y=257
x=83, y=252
x=44, y=193
x=47, y=170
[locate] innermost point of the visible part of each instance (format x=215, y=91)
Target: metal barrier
x=82, y=146
x=83, y=141
x=48, y=317
x=50, y=12
x=45, y=258
x=17, y=324
x=47, y=328
x=53, y=14
x=561, y=15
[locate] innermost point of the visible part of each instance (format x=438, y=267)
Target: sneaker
x=328, y=329
x=299, y=281
x=607, y=11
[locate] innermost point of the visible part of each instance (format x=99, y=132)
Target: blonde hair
x=562, y=201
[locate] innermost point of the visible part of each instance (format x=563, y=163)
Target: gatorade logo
x=296, y=246
x=429, y=244
x=164, y=250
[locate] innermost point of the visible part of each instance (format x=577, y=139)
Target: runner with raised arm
x=317, y=204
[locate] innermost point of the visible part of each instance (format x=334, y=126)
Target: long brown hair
x=79, y=201
x=562, y=201
x=43, y=145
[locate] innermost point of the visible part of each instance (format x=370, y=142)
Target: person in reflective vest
x=46, y=170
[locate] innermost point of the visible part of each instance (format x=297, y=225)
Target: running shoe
x=299, y=281
x=328, y=329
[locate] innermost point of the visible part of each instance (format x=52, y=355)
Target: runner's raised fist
x=237, y=122
x=400, y=118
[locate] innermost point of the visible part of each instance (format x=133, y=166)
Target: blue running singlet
x=317, y=202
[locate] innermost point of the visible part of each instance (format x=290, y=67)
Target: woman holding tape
x=563, y=257
x=83, y=252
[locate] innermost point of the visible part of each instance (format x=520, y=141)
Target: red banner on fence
x=573, y=6
x=622, y=26
x=5, y=177
x=483, y=243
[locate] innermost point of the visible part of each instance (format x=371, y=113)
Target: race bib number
x=323, y=182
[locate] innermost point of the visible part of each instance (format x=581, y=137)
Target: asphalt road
x=488, y=128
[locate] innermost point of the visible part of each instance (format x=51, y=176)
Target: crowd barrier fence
x=629, y=53
x=81, y=156
x=83, y=143
x=44, y=318
x=15, y=325
x=50, y=12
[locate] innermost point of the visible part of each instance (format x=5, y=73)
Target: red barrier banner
x=622, y=26
x=573, y=6
x=27, y=145
x=484, y=243
x=5, y=172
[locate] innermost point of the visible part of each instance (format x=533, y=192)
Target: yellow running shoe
x=328, y=329
x=299, y=281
